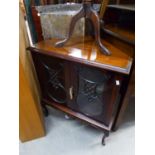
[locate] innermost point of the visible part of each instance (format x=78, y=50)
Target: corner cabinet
x=80, y=81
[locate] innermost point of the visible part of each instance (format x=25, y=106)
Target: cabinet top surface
x=85, y=50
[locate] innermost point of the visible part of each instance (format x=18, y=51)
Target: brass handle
x=71, y=93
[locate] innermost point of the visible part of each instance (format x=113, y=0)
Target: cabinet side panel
x=31, y=117
x=30, y=125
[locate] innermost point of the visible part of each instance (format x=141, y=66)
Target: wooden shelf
x=129, y=7
x=121, y=33
x=79, y=115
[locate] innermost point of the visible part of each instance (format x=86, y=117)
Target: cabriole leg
x=106, y=134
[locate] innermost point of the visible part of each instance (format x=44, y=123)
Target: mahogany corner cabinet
x=81, y=81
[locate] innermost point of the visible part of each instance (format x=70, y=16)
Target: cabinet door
x=95, y=92
x=51, y=77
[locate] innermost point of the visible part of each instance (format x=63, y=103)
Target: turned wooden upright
x=86, y=11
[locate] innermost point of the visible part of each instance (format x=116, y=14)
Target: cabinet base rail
x=92, y=122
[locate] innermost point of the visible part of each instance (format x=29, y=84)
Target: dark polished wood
x=128, y=7
x=37, y=23
x=76, y=55
x=84, y=54
x=123, y=34
x=106, y=134
x=119, y=30
x=85, y=51
x=130, y=92
x=79, y=115
x=47, y=68
x=88, y=12
x=119, y=22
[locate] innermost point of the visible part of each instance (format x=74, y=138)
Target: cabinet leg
x=45, y=110
x=106, y=134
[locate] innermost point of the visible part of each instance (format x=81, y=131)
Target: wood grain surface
x=31, y=122
x=84, y=50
